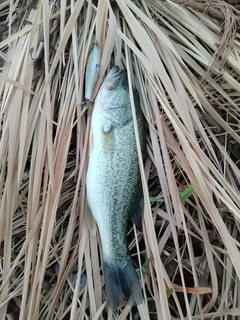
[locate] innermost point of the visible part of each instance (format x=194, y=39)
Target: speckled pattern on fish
x=114, y=182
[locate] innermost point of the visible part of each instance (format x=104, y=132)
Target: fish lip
x=115, y=71
x=114, y=76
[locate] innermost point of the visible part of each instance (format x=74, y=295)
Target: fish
x=113, y=183
x=92, y=70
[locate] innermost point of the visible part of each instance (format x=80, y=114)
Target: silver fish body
x=114, y=183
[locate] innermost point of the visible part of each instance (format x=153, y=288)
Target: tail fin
x=121, y=283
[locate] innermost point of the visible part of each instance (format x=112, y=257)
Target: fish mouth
x=114, y=76
x=115, y=71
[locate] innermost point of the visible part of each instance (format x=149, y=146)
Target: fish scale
x=114, y=183
x=110, y=202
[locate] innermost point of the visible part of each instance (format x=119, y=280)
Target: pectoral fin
x=91, y=222
x=108, y=137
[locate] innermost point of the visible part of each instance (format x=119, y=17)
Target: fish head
x=113, y=101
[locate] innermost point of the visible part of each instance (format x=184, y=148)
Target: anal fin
x=91, y=222
x=137, y=213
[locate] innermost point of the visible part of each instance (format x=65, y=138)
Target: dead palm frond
x=183, y=58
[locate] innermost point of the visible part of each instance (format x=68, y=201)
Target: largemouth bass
x=114, y=188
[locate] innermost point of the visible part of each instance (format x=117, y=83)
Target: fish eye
x=125, y=84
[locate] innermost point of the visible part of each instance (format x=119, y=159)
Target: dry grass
x=183, y=58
